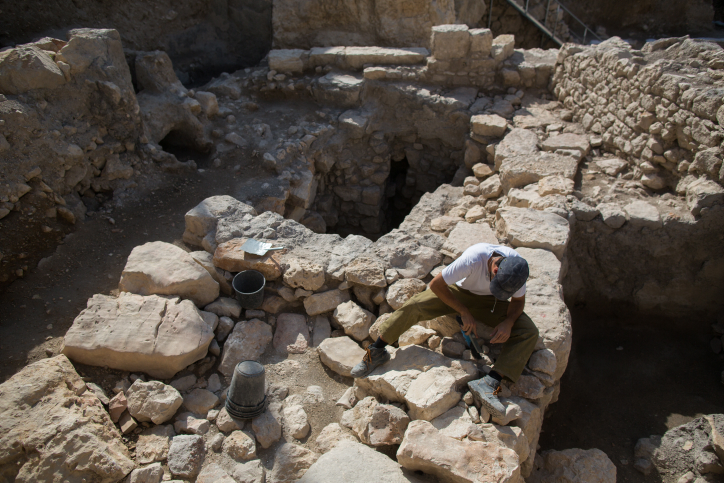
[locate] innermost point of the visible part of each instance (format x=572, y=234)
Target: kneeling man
x=477, y=286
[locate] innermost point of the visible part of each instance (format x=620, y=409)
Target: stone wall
x=658, y=107
x=198, y=35
x=660, y=110
x=319, y=23
x=73, y=129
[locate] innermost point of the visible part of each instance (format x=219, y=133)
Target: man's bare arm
x=440, y=288
x=502, y=331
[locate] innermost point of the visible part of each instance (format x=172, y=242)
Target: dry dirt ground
x=629, y=377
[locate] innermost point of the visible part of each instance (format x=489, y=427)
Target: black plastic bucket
x=249, y=288
x=246, y=397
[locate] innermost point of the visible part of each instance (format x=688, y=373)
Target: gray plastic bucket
x=246, y=397
x=249, y=288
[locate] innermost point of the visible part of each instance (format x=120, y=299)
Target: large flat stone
x=28, y=67
x=524, y=227
x=356, y=57
x=568, y=141
x=202, y=219
x=292, y=334
x=518, y=142
x=425, y=380
x=229, y=256
x=46, y=417
x=165, y=269
x=247, y=342
x=518, y=171
x=340, y=354
x=465, y=235
x=489, y=125
x=427, y=449
x=156, y=335
x=323, y=302
x=353, y=462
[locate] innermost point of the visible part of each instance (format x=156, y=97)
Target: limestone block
x=188, y=424
x=543, y=361
x=490, y=125
x=374, y=329
x=574, y=465
x=518, y=142
x=426, y=449
x=465, y=235
x=336, y=89
x=503, y=47
x=206, y=260
x=612, y=214
x=200, y=401
x=355, y=320
x=209, y=103
x=321, y=56
x=226, y=423
x=703, y=194
x=523, y=227
x=296, y=423
x=291, y=335
x=517, y=171
x=377, y=424
x=186, y=454
x=340, y=354
x=529, y=387
x=202, y=219
x=165, y=269
x=268, y=427
x=491, y=187
x=239, y=446
x=247, y=341
x=481, y=41
x=148, y=474
x=568, y=141
x=545, y=306
x=482, y=170
x=455, y=423
x=153, y=401
x=229, y=256
x=415, y=335
x=643, y=214
x=476, y=213
x=555, y=185
x=291, y=461
x=366, y=271
x=287, y=60
x=353, y=462
x=524, y=197
x=450, y=41
x=214, y=473
x=156, y=335
x=46, y=406
x=444, y=223
x=611, y=166
x=320, y=303
x=153, y=444
x=402, y=290
x=26, y=68
x=583, y=211
x=321, y=330
x=509, y=436
x=224, y=307
x=329, y=437
x=530, y=421
x=354, y=122
x=303, y=273
x=425, y=380
x=350, y=248
x=357, y=57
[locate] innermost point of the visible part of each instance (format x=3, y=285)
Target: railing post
x=548, y=7
x=490, y=14
x=526, y=6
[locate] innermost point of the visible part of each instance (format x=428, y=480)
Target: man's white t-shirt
x=470, y=270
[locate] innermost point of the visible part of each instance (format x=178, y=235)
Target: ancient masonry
x=574, y=157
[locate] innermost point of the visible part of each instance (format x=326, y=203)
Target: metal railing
x=553, y=32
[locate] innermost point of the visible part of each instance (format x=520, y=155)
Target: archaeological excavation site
x=360, y=241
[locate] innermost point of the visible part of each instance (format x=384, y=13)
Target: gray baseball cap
x=511, y=276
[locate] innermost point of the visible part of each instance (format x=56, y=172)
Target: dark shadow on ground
x=664, y=374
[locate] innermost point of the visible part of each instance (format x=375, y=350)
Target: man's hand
x=501, y=332
x=469, y=324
